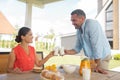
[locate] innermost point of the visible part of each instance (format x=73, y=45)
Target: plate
x=43, y=77
x=62, y=78
x=37, y=70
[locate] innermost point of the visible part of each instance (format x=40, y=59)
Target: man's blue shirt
x=92, y=39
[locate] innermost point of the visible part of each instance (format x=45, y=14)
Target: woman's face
x=28, y=37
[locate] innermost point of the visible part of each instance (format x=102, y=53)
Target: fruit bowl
x=68, y=68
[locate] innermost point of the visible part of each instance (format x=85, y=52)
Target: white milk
x=56, y=49
x=86, y=73
x=62, y=51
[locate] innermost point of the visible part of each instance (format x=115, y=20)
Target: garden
x=46, y=47
x=73, y=59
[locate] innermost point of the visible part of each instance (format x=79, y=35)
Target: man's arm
x=96, y=37
x=97, y=61
x=70, y=52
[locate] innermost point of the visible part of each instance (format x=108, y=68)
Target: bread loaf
x=51, y=75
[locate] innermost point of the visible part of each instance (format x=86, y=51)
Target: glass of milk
x=56, y=51
x=86, y=73
x=62, y=51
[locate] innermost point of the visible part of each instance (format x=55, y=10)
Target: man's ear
x=83, y=18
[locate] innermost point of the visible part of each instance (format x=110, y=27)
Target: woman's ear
x=22, y=37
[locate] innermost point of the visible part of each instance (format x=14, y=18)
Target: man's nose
x=73, y=23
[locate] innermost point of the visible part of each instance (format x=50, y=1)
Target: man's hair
x=79, y=12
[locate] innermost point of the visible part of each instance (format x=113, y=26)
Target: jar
x=85, y=63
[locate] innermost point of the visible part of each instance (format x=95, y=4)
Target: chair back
x=3, y=62
x=40, y=56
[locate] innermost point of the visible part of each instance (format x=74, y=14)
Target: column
x=119, y=20
x=28, y=15
x=116, y=24
x=100, y=5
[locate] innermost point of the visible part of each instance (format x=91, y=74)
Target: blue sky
x=53, y=16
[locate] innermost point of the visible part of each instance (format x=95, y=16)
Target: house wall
x=116, y=20
x=68, y=42
x=116, y=34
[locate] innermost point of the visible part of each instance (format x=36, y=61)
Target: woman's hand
x=17, y=70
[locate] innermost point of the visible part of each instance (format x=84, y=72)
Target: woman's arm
x=11, y=60
x=10, y=66
x=41, y=62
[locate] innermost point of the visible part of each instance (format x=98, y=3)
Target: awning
x=39, y=3
x=5, y=26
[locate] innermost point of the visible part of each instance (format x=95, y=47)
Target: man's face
x=77, y=21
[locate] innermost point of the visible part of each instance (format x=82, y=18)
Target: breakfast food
x=51, y=68
x=37, y=69
x=51, y=75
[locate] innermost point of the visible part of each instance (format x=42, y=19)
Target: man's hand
x=97, y=67
x=100, y=70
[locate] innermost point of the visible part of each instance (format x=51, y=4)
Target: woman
x=23, y=57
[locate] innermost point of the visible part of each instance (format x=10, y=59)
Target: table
x=112, y=75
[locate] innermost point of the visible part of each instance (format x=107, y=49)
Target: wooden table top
x=112, y=75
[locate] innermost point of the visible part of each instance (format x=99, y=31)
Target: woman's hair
x=79, y=12
x=22, y=32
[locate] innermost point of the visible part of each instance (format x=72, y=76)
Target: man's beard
x=77, y=27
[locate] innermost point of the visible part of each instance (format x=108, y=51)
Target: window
x=109, y=23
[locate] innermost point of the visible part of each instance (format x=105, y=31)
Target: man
x=92, y=39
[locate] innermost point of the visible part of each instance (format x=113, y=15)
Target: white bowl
x=68, y=68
